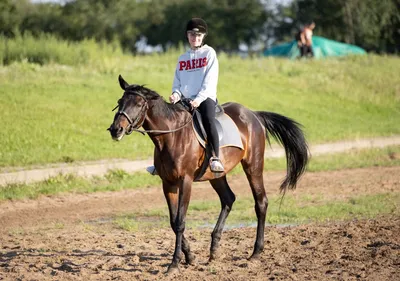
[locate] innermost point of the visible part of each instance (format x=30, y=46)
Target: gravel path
x=21, y=175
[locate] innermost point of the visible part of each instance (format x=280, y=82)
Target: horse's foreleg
x=227, y=197
x=178, y=203
x=171, y=195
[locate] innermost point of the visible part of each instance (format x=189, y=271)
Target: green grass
x=121, y=180
x=292, y=211
x=55, y=112
x=112, y=181
x=388, y=156
x=301, y=210
x=367, y=206
x=47, y=49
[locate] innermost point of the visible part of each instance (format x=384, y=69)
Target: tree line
x=370, y=24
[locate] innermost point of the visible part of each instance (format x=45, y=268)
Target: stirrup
x=152, y=170
x=216, y=165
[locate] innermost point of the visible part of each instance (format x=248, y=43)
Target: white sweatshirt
x=196, y=74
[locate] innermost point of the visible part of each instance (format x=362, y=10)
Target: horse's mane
x=159, y=106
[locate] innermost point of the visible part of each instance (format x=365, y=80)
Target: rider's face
x=195, y=39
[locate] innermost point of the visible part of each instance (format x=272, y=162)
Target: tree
x=370, y=24
x=118, y=20
x=43, y=17
x=11, y=16
x=230, y=22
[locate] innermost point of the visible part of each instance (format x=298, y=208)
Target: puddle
x=205, y=225
x=246, y=224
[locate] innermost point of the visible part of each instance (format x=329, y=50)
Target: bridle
x=140, y=117
x=134, y=125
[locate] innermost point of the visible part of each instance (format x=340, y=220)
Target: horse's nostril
x=120, y=129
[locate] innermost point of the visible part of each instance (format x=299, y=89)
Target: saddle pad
x=228, y=132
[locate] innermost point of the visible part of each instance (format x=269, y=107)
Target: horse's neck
x=166, y=121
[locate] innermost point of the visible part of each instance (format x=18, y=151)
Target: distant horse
x=178, y=157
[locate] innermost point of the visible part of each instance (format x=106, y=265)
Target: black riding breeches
x=207, y=110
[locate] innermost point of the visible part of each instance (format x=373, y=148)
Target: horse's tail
x=288, y=133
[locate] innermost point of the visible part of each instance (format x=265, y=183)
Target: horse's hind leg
x=227, y=197
x=254, y=173
x=171, y=195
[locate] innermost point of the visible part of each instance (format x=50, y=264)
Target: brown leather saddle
x=228, y=134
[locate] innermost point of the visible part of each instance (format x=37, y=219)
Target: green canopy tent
x=322, y=47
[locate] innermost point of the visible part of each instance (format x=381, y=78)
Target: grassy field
x=53, y=112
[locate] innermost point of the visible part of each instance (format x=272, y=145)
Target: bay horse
x=178, y=157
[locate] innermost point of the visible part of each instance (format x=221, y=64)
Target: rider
x=196, y=78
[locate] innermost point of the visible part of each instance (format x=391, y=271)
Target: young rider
x=196, y=78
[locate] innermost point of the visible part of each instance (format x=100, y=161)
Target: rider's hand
x=194, y=103
x=174, y=98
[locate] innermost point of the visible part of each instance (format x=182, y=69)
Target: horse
x=178, y=158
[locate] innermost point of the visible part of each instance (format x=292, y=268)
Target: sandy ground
x=72, y=237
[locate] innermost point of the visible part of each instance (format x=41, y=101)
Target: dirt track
x=11, y=175
x=71, y=238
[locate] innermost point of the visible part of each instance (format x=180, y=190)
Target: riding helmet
x=197, y=25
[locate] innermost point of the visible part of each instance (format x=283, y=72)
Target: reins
x=163, y=131
x=122, y=112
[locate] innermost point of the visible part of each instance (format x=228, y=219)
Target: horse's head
x=132, y=109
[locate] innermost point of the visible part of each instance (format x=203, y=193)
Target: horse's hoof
x=216, y=256
x=213, y=257
x=191, y=260
x=172, y=269
x=254, y=257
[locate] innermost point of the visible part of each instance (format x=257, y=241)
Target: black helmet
x=197, y=25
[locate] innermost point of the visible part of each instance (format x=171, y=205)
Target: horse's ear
x=122, y=82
